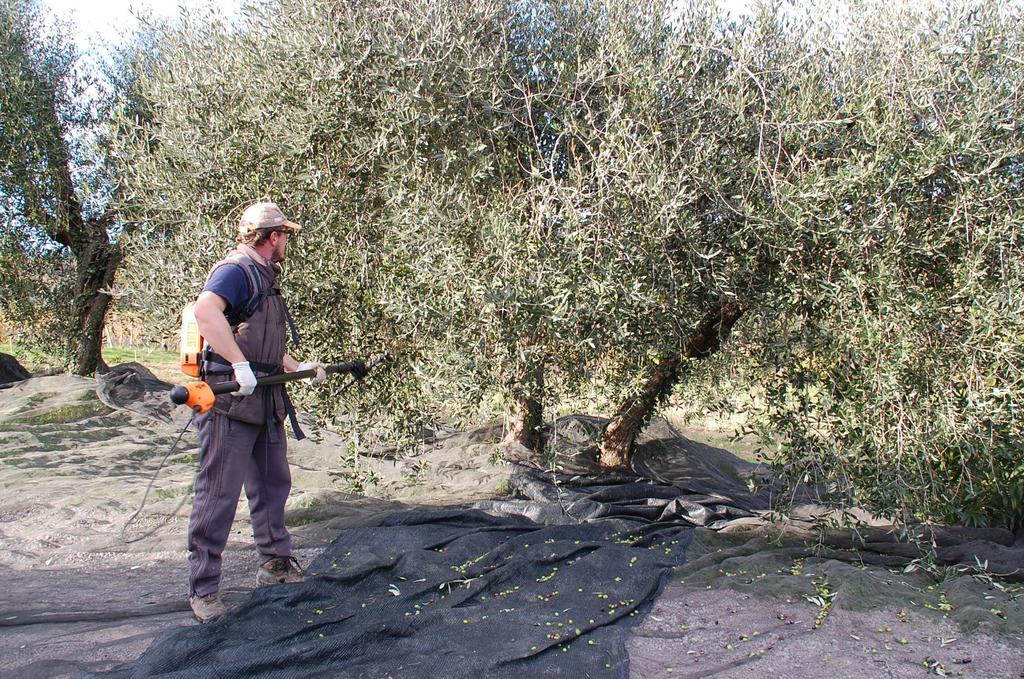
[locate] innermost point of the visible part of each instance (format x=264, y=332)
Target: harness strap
x=211, y=356
x=289, y=410
x=266, y=369
x=258, y=291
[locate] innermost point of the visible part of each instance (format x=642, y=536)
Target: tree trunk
x=526, y=413
x=620, y=435
x=96, y=262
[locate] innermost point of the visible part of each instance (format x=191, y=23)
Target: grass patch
x=73, y=412
x=163, y=363
x=97, y=434
x=146, y=453
x=33, y=358
x=188, y=458
x=168, y=493
x=114, y=355
x=38, y=399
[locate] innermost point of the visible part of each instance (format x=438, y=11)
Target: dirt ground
x=744, y=607
x=748, y=602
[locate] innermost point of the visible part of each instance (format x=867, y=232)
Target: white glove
x=246, y=380
x=321, y=373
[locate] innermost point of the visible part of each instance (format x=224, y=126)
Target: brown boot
x=280, y=570
x=207, y=608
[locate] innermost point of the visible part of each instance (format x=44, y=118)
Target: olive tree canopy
x=528, y=204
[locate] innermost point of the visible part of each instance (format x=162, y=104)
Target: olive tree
x=318, y=119
x=893, y=376
x=528, y=203
x=406, y=134
x=517, y=200
x=55, y=222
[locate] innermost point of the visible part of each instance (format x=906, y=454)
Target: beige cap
x=264, y=216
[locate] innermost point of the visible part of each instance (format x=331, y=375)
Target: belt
x=263, y=370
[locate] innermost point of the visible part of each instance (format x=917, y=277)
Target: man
x=243, y=319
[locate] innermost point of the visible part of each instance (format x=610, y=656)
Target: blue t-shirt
x=231, y=284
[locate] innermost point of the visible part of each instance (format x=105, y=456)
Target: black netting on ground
x=133, y=387
x=11, y=371
x=375, y=607
x=456, y=593
x=561, y=498
x=546, y=583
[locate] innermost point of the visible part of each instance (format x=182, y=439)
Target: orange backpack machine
x=191, y=342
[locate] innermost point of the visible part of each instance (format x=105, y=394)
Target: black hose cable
x=149, y=487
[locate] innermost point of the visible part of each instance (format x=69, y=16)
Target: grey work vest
x=262, y=339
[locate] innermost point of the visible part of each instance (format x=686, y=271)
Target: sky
x=103, y=22
x=106, y=21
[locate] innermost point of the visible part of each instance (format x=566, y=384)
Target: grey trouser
x=234, y=453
